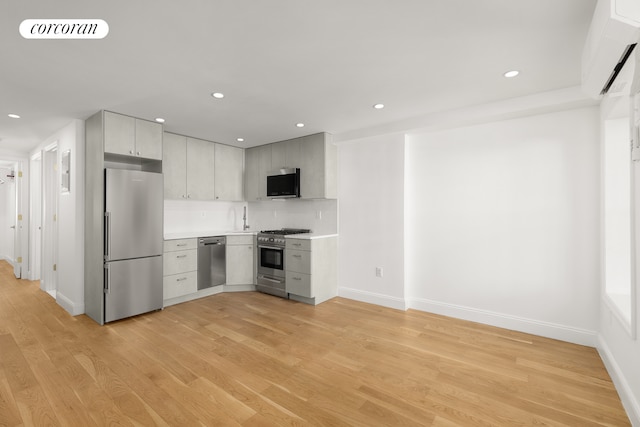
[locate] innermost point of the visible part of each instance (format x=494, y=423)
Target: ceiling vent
x=610, y=57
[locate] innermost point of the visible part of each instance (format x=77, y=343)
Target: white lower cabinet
x=177, y=285
x=310, y=269
x=180, y=268
x=180, y=263
x=240, y=261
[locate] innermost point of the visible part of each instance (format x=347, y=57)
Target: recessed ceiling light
x=217, y=95
x=13, y=116
x=240, y=139
x=511, y=73
x=378, y=106
x=300, y=125
x=159, y=120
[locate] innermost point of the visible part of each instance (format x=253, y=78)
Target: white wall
x=371, y=220
x=70, y=283
x=497, y=222
x=503, y=220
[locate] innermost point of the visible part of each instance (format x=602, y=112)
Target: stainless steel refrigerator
x=133, y=243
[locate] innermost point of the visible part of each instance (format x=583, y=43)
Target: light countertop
x=209, y=233
x=206, y=233
x=309, y=236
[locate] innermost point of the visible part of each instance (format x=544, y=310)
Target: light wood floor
x=254, y=360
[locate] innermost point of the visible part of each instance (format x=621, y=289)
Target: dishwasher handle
x=209, y=241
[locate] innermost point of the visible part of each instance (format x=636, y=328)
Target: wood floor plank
x=15, y=366
x=9, y=412
x=250, y=359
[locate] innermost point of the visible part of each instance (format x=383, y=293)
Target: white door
x=7, y=212
x=12, y=233
x=22, y=219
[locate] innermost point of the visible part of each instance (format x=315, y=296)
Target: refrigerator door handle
x=107, y=235
x=107, y=277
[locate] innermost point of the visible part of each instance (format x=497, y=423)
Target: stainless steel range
x=271, y=268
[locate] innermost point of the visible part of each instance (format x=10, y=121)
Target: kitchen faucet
x=245, y=226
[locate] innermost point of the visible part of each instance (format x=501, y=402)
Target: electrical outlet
x=378, y=271
x=318, y=214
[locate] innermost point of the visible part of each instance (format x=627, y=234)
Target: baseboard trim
x=67, y=304
x=373, y=298
x=629, y=400
x=521, y=324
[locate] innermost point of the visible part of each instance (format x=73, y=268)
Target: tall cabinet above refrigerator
x=123, y=216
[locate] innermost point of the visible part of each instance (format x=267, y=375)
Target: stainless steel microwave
x=283, y=183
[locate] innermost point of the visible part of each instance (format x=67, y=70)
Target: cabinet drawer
x=180, y=284
x=298, y=261
x=240, y=240
x=180, y=244
x=180, y=262
x=299, y=284
x=300, y=244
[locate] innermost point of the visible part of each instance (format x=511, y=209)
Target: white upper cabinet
x=200, y=169
x=286, y=154
x=197, y=169
x=229, y=172
x=188, y=168
x=129, y=136
x=318, y=167
x=148, y=139
x=257, y=165
x=174, y=166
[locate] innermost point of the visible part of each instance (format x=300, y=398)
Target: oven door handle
x=269, y=280
x=270, y=247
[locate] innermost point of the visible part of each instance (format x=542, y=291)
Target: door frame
x=35, y=215
x=50, y=174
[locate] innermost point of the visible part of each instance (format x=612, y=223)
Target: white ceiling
x=279, y=62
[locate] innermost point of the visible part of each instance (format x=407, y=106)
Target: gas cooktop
x=286, y=231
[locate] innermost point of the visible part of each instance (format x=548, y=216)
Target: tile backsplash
x=195, y=216
x=321, y=216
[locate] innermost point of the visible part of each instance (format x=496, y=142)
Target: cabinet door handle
x=181, y=244
x=297, y=256
x=182, y=279
x=296, y=244
x=138, y=153
x=296, y=278
x=130, y=151
x=181, y=256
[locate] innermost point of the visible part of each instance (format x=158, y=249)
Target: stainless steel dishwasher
x=212, y=270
